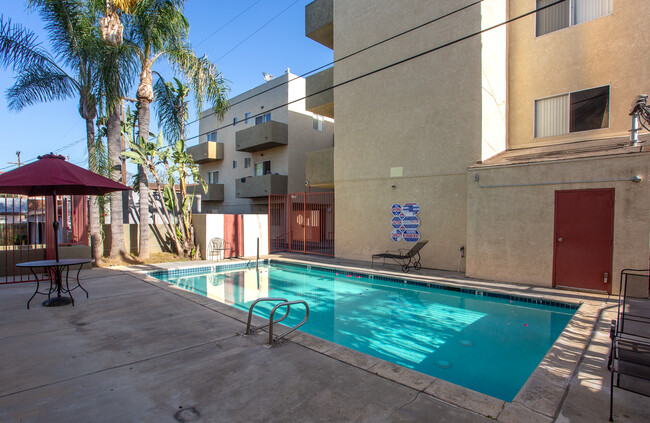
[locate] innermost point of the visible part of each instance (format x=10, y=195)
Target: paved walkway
x=139, y=350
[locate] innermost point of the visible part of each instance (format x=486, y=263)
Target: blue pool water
x=487, y=344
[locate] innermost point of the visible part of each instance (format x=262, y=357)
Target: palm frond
x=171, y=109
x=36, y=85
x=19, y=47
x=204, y=79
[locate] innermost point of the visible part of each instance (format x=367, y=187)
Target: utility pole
x=18, y=162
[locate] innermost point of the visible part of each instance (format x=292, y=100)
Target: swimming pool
x=484, y=341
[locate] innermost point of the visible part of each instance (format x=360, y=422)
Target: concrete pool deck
x=140, y=350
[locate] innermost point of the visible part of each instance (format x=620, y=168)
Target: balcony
x=206, y=152
x=215, y=193
x=319, y=168
x=319, y=22
x=322, y=103
x=261, y=137
x=261, y=186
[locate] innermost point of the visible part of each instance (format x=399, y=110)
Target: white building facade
x=258, y=148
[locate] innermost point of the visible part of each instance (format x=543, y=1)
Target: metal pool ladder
x=284, y=303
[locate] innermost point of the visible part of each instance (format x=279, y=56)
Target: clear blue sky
x=280, y=44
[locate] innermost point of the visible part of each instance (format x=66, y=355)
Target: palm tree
x=72, y=71
x=111, y=35
x=158, y=28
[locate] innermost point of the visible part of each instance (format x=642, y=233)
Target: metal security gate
x=26, y=231
x=302, y=223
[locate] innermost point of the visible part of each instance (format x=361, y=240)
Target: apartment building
x=259, y=147
x=511, y=139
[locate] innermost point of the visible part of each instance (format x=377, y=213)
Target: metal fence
x=26, y=232
x=302, y=223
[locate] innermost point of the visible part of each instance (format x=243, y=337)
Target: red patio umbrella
x=52, y=175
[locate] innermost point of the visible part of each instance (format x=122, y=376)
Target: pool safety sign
x=405, y=222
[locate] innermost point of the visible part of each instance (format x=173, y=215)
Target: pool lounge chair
x=407, y=259
x=629, y=355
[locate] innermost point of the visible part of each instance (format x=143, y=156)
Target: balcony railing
x=261, y=137
x=323, y=102
x=206, y=152
x=261, y=186
x=319, y=168
x=319, y=22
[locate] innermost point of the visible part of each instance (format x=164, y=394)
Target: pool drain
x=443, y=364
x=185, y=415
x=466, y=343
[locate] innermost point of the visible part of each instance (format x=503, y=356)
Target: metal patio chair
x=629, y=356
x=406, y=259
x=217, y=247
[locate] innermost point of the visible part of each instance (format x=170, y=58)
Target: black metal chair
x=406, y=259
x=629, y=356
x=217, y=247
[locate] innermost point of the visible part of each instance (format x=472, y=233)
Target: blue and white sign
x=411, y=235
x=411, y=209
x=405, y=222
x=411, y=222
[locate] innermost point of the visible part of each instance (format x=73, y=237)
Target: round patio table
x=55, y=269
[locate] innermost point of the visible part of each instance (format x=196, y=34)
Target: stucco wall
x=510, y=230
x=610, y=50
x=208, y=226
x=157, y=234
x=423, y=116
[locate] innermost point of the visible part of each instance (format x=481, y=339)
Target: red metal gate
x=26, y=231
x=302, y=223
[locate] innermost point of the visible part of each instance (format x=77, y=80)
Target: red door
x=233, y=233
x=584, y=231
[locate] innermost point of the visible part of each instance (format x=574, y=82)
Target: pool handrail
x=250, y=329
x=288, y=305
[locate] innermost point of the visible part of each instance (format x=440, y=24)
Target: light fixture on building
x=640, y=110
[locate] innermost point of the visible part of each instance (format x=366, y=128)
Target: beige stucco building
x=259, y=147
x=507, y=136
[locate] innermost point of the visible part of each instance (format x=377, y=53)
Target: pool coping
x=539, y=400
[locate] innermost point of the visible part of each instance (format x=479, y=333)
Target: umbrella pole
x=56, y=271
x=55, y=225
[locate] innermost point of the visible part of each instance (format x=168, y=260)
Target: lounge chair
x=407, y=259
x=629, y=356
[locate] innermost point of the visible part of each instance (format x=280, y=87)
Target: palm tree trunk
x=93, y=205
x=143, y=131
x=114, y=136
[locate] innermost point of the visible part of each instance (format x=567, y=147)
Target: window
x=213, y=177
x=569, y=13
x=573, y=112
x=317, y=122
x=234, y=121
x=263, y=168
x=212, y=136
x=247, y=117
x=247, y=162
x=234, y=164
x=262, y=118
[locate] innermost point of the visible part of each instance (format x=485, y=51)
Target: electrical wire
x=349, y=55
x=228, y=23
x=365, y=75
x=257, y=30
x=58, y=150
